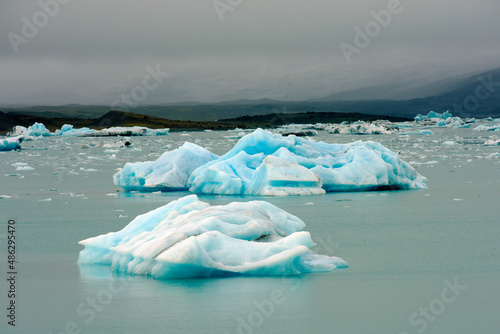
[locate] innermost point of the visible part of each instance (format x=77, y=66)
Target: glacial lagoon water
x=421, y=261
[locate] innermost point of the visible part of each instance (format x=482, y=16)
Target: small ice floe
x=6, y=196
x=432, y=162
x=45, y=200
x=88, y=169
x=458, y=199
x=309, y=203
x=492, y=142
x=492, y=156
x=24, y=168
x=449, y=143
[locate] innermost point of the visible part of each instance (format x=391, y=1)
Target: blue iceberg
x=433, y=114
x=11, y=144
x=171, y=171
x=190, y=238
x=68, y=130
x=247, y=169
x=38, y=130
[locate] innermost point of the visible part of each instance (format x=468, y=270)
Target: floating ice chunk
x=492, y=142
x=340, y=167
x=68, y=130
x=433, y=114
x=128, y=131
x=11, y=144
x=190, y=238
x=24, y=168
x=170, y=171
x=493, y=127
x=38, y=130
x=362, y=128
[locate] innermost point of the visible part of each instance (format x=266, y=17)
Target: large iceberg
x=248, y=170
x=11, y=144
x=171, y=171
x=190, y=238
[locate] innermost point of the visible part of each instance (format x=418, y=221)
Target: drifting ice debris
x=11, y=144
x=492, y=127
x=445, y=119
x=362, y=128
x=492, y=142
x=128, y=131
x=190, y=238
x=339, y=167
x=171, y=171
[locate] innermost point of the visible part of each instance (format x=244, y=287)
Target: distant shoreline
x=119, y=118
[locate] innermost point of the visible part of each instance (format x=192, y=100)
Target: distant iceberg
x=433, y=114
x=38, y=130
x=300, y=166
x=445, y=119
x=190, y=238
x=362, y=128
x=171, y=171
x=11, y=144
x=35, y=130
x=128, y=131
x=68, y=130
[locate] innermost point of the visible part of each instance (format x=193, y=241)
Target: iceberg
x=247, y=169
x=38, y=130
x=68, y=130
x=128, y=131
x=492, y=127
x=170, y=171
x=362, y=128
x=11, y=144
x=190, y=238
x=433, y=114
x=445, y=119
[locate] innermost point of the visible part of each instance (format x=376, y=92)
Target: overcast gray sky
x=93, y=51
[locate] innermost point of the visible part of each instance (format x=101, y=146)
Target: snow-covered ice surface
x=402, y=246
x=303, y=164
x=190, y=238
x=170, y=171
